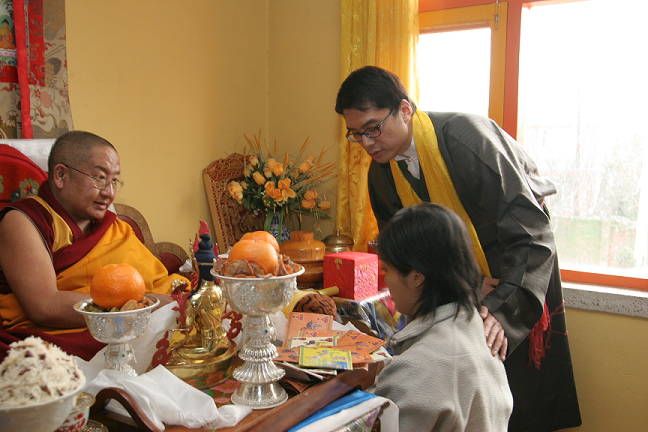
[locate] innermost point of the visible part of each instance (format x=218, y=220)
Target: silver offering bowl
x=117, y=329
x=257, y=298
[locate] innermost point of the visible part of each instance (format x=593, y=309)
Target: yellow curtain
x=381, y=33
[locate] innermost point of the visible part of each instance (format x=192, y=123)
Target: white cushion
x=37, y=150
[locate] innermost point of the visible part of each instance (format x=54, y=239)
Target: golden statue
x=199, y=351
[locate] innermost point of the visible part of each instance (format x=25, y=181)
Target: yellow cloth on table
x=437, y=180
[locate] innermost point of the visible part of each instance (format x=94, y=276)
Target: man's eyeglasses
x=372, y=132
x=101, y=183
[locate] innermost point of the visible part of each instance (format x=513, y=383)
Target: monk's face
x=395, y=131
x=81, y=197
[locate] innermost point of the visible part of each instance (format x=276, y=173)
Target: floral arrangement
x=283, y=187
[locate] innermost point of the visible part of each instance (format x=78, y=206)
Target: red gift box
x=355, y=273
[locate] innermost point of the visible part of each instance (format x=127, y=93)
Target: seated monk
x=53, y=243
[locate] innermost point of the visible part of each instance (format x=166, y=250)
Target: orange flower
x=307, y=204
x=269, y=187
x=288, y=193
x=258, y=178
x=310, y=195
x=306, y=165
x=324, y=205
x=284, y=183
x=253, y=160
x=275, y=167
x=276, y=194
x=234, y=186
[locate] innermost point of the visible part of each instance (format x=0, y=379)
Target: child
x=443, y=376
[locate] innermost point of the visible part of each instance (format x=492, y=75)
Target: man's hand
x=495, y=337
x=488, y=285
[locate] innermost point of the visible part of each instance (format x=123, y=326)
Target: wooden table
x=278, y=419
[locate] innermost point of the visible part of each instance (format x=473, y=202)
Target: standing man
x=467, y=163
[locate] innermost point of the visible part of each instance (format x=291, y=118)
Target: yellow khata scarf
x=437, y=180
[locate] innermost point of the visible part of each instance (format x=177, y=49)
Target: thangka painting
x=33, y=57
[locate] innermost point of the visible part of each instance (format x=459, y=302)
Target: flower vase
x=274, y=229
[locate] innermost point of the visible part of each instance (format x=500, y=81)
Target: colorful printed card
x=358, y=355
x=381, y=354
x=311, y=341
x=307, y=320
x=314, y=333
x=325, y=357
x=363, y=341
x=288, y=355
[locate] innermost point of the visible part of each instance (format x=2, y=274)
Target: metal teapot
x=337, y=243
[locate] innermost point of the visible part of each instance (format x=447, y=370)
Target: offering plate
x=257, y=298
x=117, y=329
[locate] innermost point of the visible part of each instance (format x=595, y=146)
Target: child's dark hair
x=433, y=240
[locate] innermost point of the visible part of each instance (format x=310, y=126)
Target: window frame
x=449, y=15
x=491, y=16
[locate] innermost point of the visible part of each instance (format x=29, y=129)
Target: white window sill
x=601, y=298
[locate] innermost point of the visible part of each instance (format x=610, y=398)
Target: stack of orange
x=258, y=246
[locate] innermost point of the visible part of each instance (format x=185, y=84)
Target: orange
x=114, y=284
x=260, y=252
x=263, y=236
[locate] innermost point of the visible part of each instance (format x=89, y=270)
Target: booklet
x=294, y=372
x=381, y=354
x=314, y=333
x=325, y=357
x=288, y=355
x=362, y=341
x=311, y=341
x=306, y=320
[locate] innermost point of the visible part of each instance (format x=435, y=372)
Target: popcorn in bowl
x=39, y=384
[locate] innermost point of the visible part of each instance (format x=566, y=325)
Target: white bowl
x=42, y=417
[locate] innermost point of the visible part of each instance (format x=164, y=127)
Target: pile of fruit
x=255, y=255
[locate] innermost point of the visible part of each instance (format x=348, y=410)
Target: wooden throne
x=231, y=220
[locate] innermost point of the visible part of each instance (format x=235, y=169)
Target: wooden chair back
x=231, y=220
x=172, y=255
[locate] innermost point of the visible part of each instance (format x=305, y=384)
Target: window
x=464, y=85
x=461, y=52
x=577, y=108
x=581, y=115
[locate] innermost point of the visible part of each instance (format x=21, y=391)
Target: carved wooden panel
x=231, y=220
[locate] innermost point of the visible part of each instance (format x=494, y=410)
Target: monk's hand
x=494, y=332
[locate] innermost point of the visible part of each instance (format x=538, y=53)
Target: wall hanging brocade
x=33, y=57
